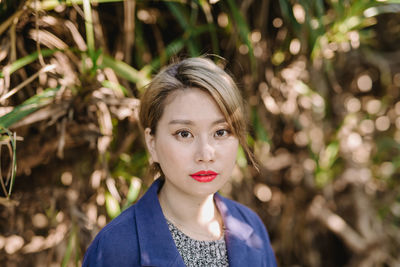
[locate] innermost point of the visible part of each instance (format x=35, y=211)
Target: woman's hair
x=199, y=73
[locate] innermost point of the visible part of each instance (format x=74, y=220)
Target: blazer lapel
x=157, y=248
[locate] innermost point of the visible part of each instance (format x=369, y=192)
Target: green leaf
x=325, y=164
x=320, y=9
x=87, y=10
x=386, y=146
x=112, y=206
x=339, y=7
x=287, y=14
x=329, y=156
x=210, y=22
x=244, y=31
x=29, y=106
x=70, y=246
x=173, y=48
x=126, y=71
x=133, y=192
x=241, y=158
x=322, y=178
x=115, y=87
x=12, y=138
x=258, y=127
x=179, y=14
x=396, y=162
x=22, y=62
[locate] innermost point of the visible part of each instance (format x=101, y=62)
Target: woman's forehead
x=191, y=105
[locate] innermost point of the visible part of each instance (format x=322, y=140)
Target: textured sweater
x=196, y=253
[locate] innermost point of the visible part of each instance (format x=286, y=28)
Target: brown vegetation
x=321, y=80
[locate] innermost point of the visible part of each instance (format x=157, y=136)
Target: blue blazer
x=139, y=236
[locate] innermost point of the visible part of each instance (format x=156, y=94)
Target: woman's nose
x=205, y=151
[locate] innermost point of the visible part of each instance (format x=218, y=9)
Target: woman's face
x=193, y=144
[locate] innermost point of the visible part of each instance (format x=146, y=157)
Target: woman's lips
x=204, y=176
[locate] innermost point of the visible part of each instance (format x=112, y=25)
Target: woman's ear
x=150, y=143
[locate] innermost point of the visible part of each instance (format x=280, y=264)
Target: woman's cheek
x=231, y=146
x=175, y=152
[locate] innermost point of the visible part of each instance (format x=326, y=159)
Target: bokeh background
x=321, y=81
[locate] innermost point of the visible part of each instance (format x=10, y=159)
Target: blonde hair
x=199, y=73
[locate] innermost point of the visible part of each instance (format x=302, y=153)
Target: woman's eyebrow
x=189, y=122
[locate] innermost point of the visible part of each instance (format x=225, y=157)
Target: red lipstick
x=204, y=176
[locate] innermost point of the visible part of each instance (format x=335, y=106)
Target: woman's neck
x=196, y=216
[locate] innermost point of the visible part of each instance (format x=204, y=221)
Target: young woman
x=193, y=122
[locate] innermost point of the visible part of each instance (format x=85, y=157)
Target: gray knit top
x=197, y=253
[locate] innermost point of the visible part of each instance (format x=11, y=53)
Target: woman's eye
x=222, y=133
x=183, y=134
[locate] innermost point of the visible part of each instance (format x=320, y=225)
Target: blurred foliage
x=321, y=79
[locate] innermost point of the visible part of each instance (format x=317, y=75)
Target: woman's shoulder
x=124, y=225
x=243, y=215
x=238, y=208
x=118, y=237
x=123, y=222
x=242, y=223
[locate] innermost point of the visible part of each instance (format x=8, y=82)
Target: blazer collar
x=157, y=247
